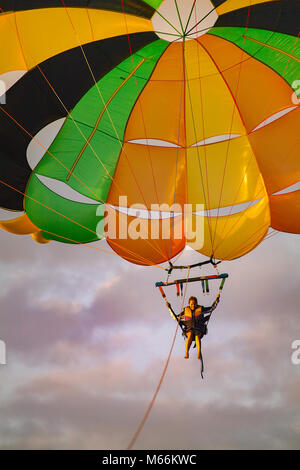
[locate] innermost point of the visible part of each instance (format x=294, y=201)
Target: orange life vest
x=188, y=315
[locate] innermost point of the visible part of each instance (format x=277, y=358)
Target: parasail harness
x=179, y=283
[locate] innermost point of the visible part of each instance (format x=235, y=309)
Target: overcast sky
x=87, y=338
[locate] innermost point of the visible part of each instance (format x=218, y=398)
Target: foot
x=186, y=356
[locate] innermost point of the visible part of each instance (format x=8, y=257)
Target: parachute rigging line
x=140, y=105
x=200, y=21
x=77, y=223
x=47, y=151
x=102, y=99
x=144, y=125
x=245, y=246
x=189, y=18
x=159, y=251
x=243, y=213
x=100, y=116
x=198, y=156
x=291, y=55
x=235, y=106
x=182, y=101
x=203, y=131
x=61, y=102
x=87, y=140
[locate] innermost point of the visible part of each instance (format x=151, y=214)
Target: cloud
x=87, y=340
x=100, y=407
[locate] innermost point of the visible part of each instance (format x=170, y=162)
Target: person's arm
x=172, y=313
x=210, y=309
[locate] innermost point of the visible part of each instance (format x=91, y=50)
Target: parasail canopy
x=136, y=111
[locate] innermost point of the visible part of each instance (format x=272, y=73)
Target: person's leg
x=189, y=340
x=198, y=344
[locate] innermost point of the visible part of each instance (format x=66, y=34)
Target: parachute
x=138, y=108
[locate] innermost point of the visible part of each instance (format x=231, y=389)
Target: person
x=193, y=320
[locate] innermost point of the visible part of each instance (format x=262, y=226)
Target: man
x=194, y=319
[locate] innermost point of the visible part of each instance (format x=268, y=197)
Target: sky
x=87, y=337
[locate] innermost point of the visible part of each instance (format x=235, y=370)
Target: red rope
x=142, y=423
